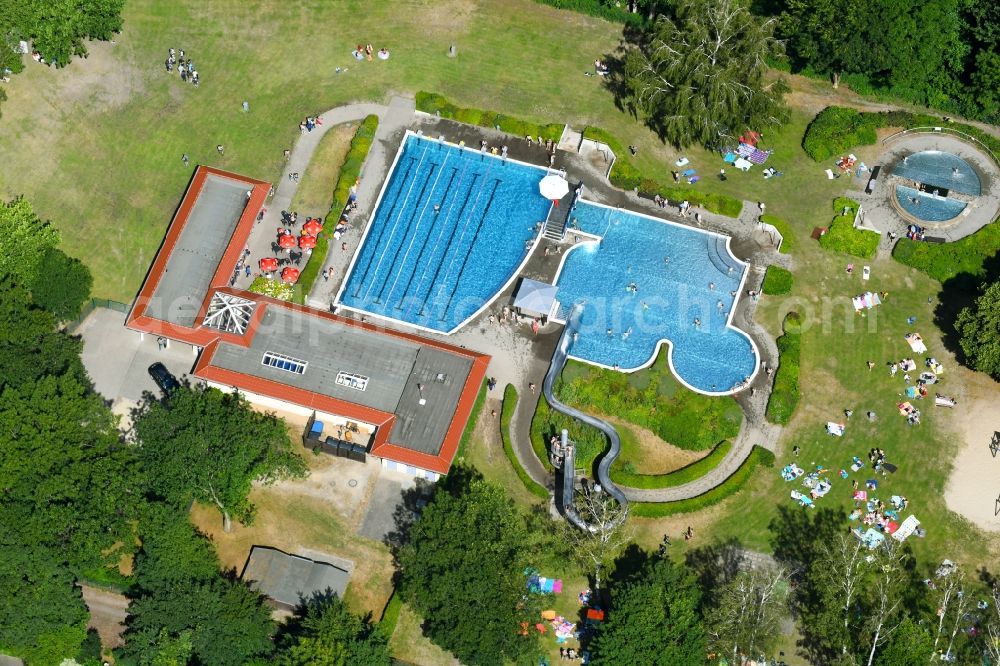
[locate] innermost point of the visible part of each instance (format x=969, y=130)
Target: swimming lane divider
x=451, y=239
x=381, y=232
x=423, y=248
x=413, y=214
x=465, y=259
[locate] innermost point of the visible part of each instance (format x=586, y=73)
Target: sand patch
x=974, y=484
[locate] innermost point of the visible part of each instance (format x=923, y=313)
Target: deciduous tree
x=463, y=572
x=24, y=240
x=747, y=612
x=606, y=535
x=979, y=329
x=212, y=446
x=325, y=633
x=61, y=285
x=653, y=619
x=700, y=74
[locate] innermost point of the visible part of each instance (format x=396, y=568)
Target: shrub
x=390, y=614
x=785, y=394
x=349, y=171
x=964, y=259
x=621, y=474
x=777, y=281
x=686, y=419
x=438, y=105
x=271, y=287
x=470, y=426
x=843, y=237
x=785, y=229
x=758, y=457
x=836, y=130
x=506, y=415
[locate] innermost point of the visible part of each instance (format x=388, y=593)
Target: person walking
x=184, y=158
x=221, y=149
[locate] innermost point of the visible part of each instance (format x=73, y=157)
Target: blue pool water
x=671, y=267
x=940, y=169
x=927, y=207
x=436, y=268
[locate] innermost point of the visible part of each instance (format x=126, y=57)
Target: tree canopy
x=24, y=241
x=324, y=632
x=653, y=619
x=212, y=446
x=61, y=285
x=978, y=327
x=699, y=75
x=463, y=571
x=57, y=28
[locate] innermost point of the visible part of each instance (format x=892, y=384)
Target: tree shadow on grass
x=614, y=81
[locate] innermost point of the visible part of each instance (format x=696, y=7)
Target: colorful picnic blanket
x=759, y=156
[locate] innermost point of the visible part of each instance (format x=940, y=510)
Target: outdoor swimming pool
x=927, y=207
x=450, y=229
x=940, y=169
x=670, y=268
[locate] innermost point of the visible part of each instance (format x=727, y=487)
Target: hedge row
x=777, y=281
x=785, y=394
x=785, y=229
x=738, y=479
x=470, y=426
x=692, y=472
x=966, y=257
x=438, y=105
x=843, y=237
x=506, y=414
x=627, y=177
x=835, y=130
x=601, y=9
x=350, y=170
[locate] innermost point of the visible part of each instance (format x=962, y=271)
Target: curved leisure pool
x=671, y=268
x=940, y=169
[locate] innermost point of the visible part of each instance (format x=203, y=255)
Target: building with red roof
x=410, y=396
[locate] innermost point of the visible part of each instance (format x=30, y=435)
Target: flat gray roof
x=289, y=578
x=442, y=375
x=196, y=255
x=394, y=368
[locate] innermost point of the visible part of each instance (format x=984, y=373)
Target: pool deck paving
x=520, y=357
x=881, y=211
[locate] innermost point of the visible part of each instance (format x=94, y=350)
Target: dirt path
x=107, y=614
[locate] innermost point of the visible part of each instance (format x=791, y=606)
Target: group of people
x=310, y=123
x=568, y=653
x=185, y=66
x=367, y=52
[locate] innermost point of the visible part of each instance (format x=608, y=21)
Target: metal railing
x=942, y=130
x=92, y=305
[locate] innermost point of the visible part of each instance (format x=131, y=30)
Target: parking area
x=118, y=360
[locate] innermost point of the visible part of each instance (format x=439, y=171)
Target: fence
x=92, y=305
x=942, y=130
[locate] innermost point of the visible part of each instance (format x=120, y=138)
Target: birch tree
x=700, y=74
x=884, y=614
x=748, y=612
x=952, y=603
x=607, y=534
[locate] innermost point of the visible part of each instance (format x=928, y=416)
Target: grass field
x=97, y=148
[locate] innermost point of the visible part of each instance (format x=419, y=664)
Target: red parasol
x=312, y=227
x=286, y=241
x=290, y=274
x=307, y=242
x=268, y=264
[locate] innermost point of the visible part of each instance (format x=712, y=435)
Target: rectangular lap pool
x=450, y=230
